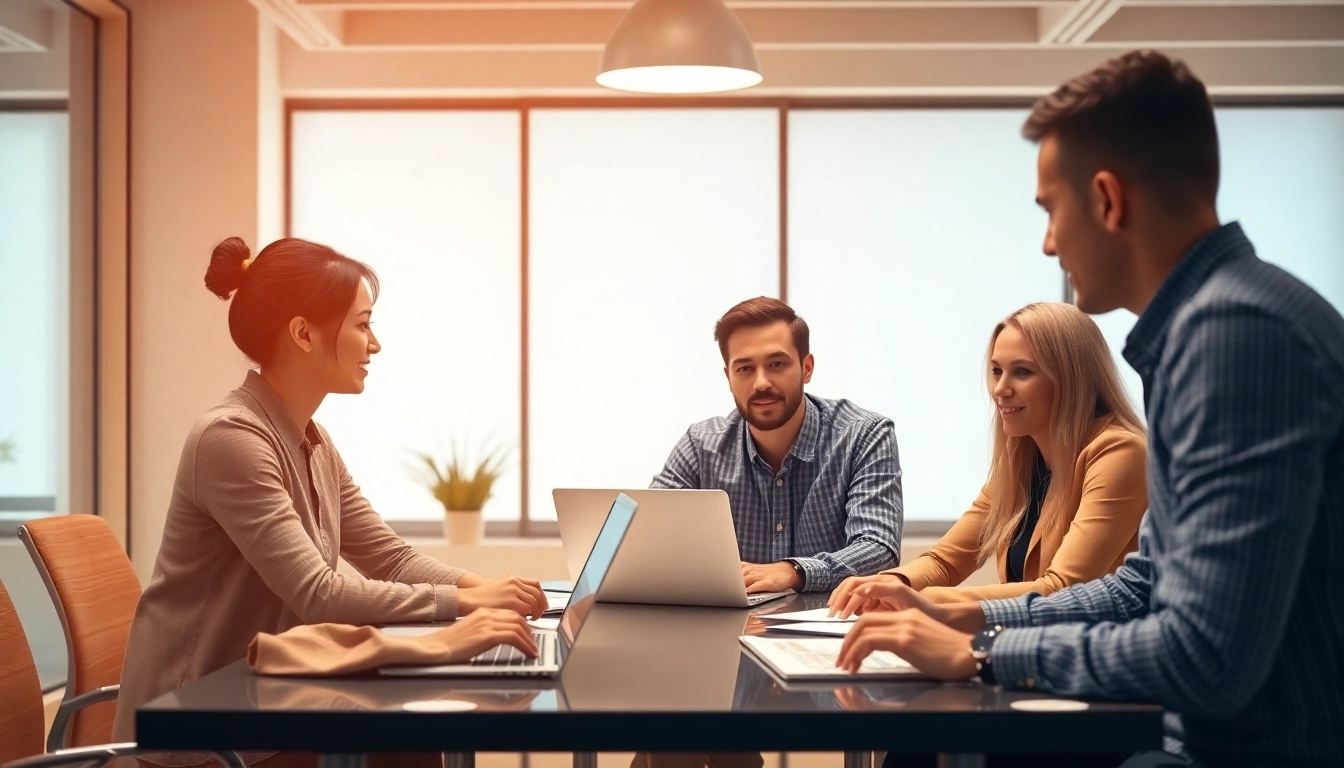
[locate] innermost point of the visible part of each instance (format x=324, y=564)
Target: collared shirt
x=1231, y=614
x=834, y=507
x=261, y=512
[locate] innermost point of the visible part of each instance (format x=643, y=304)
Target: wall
x=194, y=173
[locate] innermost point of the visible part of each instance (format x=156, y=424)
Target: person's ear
x=808, y=363
x=1108, y=201
x=301, y=333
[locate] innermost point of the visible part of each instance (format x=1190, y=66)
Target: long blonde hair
x=1089, y=397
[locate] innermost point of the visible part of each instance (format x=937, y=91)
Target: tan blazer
x=1108, y=499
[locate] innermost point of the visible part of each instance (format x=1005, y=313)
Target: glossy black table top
x=641, y=678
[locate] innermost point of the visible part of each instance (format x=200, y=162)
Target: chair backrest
x=95, y=590
x=21, y=715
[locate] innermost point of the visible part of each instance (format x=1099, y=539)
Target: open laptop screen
x=595, y=569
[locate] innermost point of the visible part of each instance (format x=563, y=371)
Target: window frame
x=525, y=526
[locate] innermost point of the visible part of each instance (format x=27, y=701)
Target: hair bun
x=226, y=272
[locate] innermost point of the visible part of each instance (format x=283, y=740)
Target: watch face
x=981, y=642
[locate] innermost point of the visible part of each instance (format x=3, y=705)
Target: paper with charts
x=813, y=658
x=820, y=654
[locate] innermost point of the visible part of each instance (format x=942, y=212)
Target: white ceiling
x=859, y=48
x=812, y=47
x=26, y=26
x=34, y=49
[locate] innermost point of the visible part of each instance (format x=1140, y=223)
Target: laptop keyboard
x=508, y=656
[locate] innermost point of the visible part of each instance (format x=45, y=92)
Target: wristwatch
x=981, y=643
x=798, y=569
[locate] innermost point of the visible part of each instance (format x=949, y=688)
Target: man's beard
x=788, y=407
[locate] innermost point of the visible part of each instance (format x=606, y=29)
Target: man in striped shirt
x=814, y=485
x=1231, y=614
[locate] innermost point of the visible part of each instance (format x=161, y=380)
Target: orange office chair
x=95, y=590
x=21, y=714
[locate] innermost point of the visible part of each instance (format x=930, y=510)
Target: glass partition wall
x=48, y=242
x=558, y=268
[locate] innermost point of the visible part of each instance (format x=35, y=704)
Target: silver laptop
x=554, y=645
x=681, y=551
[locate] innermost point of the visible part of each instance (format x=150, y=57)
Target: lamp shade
x=679, y=46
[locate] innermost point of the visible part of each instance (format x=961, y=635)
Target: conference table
x=640, y=678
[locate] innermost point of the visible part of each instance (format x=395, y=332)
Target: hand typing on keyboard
x=522, y=596
x=490, y=629
x=508, y=656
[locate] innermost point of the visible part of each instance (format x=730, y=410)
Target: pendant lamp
x=679, y=46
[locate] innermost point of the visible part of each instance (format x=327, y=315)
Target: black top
x=1017, y=553
x=641, y=677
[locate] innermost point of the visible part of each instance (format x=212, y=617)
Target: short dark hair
x=757, y=312
x=1142, y=115
x=289, y=278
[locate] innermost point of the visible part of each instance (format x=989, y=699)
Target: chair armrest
x=102, y=754
x=59, y=738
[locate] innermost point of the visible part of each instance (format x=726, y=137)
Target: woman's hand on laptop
x=522, y=596
x=486, y=628
x=929, y=645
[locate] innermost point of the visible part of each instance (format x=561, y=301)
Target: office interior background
x=554, y=254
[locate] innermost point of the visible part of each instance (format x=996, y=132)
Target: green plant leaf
x=459, y=489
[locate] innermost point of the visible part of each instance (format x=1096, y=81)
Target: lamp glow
x=679, y=46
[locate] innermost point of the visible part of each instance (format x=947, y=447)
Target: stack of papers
x=813, y=622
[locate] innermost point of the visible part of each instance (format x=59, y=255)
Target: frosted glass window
x=431, y=200
x=34, y=305
x=1283, y=179
x=911, y=233
x=646, y=226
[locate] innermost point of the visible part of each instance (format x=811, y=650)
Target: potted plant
x=462, y=492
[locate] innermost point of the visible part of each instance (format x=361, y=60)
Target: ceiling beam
x=622, y=5
x=1232, y=24
x=311, y=27
x=26, y=25
x=549, y=28
x=1021, y=71
x=1076, y=23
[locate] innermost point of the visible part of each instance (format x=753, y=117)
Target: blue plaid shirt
x=834, y=507
x=1231, y=614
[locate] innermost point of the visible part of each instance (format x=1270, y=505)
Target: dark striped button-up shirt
x=1231, y=614
x=834, y=507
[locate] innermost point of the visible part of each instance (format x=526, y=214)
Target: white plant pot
x=463, y=527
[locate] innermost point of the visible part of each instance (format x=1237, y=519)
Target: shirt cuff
x=816, y=574
x=445, y=597
x=1014, y=658
x=1011, y=612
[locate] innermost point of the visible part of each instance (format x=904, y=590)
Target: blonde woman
x=1067, y=483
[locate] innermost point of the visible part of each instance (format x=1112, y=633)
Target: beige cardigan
x=1106, y=503
x=260, y=513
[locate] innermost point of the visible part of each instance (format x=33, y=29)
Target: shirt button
x=1030, y=682
x=780, y=481
x=779, y=526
